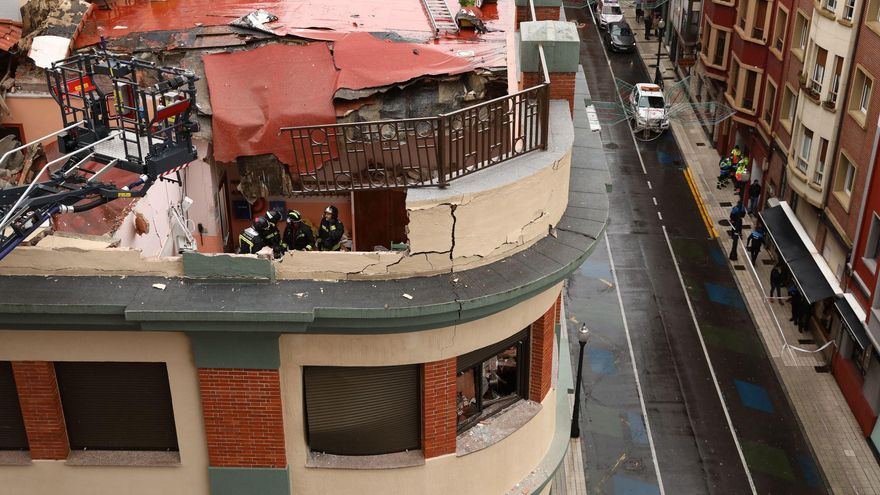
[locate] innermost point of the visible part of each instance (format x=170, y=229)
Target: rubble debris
x=407, y=296
x=256, y=20
x=159, y=286
x=141, y=224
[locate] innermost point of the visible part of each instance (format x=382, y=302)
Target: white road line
x=632, y=360
x=655, y=201
x=660, y=216
x=687, y=298
x=649, y=183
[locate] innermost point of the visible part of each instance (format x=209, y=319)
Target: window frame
x=821, y=161
x=801, y=34
x=817, y=72
x=471, y=361
x=711, y=45
x=860, y=103
x=735, y=97
x=800, y=158
x=844, y=179
x=746, y=24
x=872, y=244
x=786, y=119
x=780, y=25
x=849, y=8
x=769, y=103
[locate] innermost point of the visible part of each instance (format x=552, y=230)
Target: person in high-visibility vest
x=735, y=154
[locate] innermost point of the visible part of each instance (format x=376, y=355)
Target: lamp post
x=658, y=78
x=583, y=336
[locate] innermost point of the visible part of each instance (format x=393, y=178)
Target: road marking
x=655, y=201
x=649, y=182
x=593, y=119
x=704, y=213
x=660, y=216
x=690, y=305
x=632, y=360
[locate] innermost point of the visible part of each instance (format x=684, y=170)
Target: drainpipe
x=836, y=146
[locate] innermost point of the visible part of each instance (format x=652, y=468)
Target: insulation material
x=256, y=92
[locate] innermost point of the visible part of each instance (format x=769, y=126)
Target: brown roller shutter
x=117, y=406
x=12, y=432
x=362, y=410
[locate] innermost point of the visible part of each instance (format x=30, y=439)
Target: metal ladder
x=442, y=20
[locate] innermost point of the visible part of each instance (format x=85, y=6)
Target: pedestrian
x=793, y=299
x=754, y=243
x=805, y=310
x=649, y=24
x=639, y=12
x=754, y=195
x=776, y=282
x=736, y=217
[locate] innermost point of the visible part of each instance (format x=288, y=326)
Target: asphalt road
x=698, y=357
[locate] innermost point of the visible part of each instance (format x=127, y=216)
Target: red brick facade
x=41, y=409
x=243, y=421
x=438, y=408
x=541, y=366
x=561, y=85
x=524, y=14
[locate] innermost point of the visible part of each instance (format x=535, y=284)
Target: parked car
x=648, y=107
x=609, y=11
x=619, y=37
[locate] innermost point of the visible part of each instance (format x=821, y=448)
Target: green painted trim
x=539, y=3
x=237, y=481
x=248, y=350
x=224, y=267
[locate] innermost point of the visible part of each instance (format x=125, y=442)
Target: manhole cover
x=725, y=203
x=724, y=222
x=822, y=369
x=747, y=226
x=739, y=267
x=633, y=464
x=610, y=146
x=806, y=341
x=701, y=144
x=768, y=262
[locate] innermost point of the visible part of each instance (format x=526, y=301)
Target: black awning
x=852, y=323
x=810, y=280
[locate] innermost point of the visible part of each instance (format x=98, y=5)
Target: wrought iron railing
x=419, y=152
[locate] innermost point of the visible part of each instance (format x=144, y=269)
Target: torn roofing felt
x=256, y=92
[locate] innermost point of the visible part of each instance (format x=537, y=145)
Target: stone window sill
x=492, y=430
x=122, y=458
x=859, y=117
x=845, y=22
x=844, y=199
x=15, y=457
x=824, y=12
x=384, y=461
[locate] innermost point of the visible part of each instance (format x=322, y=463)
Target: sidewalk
x=841, y=450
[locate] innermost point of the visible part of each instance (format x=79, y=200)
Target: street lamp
x=583, y=336
x=658, y=78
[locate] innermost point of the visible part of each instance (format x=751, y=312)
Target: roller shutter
x=12, y=432
x=117, y=406
x=362, y=410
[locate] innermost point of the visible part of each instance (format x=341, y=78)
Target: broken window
x=490, y=379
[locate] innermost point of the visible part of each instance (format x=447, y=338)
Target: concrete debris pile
x=19, y=166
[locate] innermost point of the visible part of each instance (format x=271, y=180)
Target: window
x=818, y=73
x=872, y=248
x=789, y=102
x=849, y=6
x=779, y=29
x=715, y=46
x=362, y=410
x=835, y=79
x=804, y=150
x=801, y=32
x=769, y=102
x=829, y=5
x=117, y=406
x=742, y=87
x=753, y=19
x=12, y=432
x=820, y=164
x=491, y=378
x=846, y=176
x=860, y=99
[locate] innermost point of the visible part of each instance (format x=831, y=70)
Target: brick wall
x=561, y=85
x=243, y=422
x=524, y=14
x=41, y=409
x=558, y=307
x=438, y=408
x=541, y=366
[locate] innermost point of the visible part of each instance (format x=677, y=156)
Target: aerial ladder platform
x=116, y=112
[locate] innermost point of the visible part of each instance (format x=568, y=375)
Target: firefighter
x=263, y=232
x=735, y=154
x=331, y=230
x=297, y=235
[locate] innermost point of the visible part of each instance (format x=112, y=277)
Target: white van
x=609, y=11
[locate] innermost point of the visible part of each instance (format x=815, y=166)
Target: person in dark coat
x=736, y=222
x=297, y=235
x=793, y=298
x=754, y=195
x=776, y=280
x=755, y=242
x=331, y=230
x=649, y=24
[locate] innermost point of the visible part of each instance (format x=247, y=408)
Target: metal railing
x=419, y=152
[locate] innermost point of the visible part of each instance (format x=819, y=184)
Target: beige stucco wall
x=55, y=477
x=38, y=116
x=71, y=257
x=493, y=470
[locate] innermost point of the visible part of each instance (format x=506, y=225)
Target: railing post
x=544, y=102
x=442, y=144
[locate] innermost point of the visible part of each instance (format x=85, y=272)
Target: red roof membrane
x=10, y=33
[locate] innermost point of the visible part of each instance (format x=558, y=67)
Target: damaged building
x=422, y=357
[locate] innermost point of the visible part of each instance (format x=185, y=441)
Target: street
x=671, y=334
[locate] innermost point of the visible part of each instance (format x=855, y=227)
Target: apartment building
x=436, y=368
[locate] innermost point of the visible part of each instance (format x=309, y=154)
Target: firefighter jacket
x=299, y=236
x=330, y=235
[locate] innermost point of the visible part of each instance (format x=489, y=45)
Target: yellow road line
x=702, y=207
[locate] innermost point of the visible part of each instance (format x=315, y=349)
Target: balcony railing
x=419, y=152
